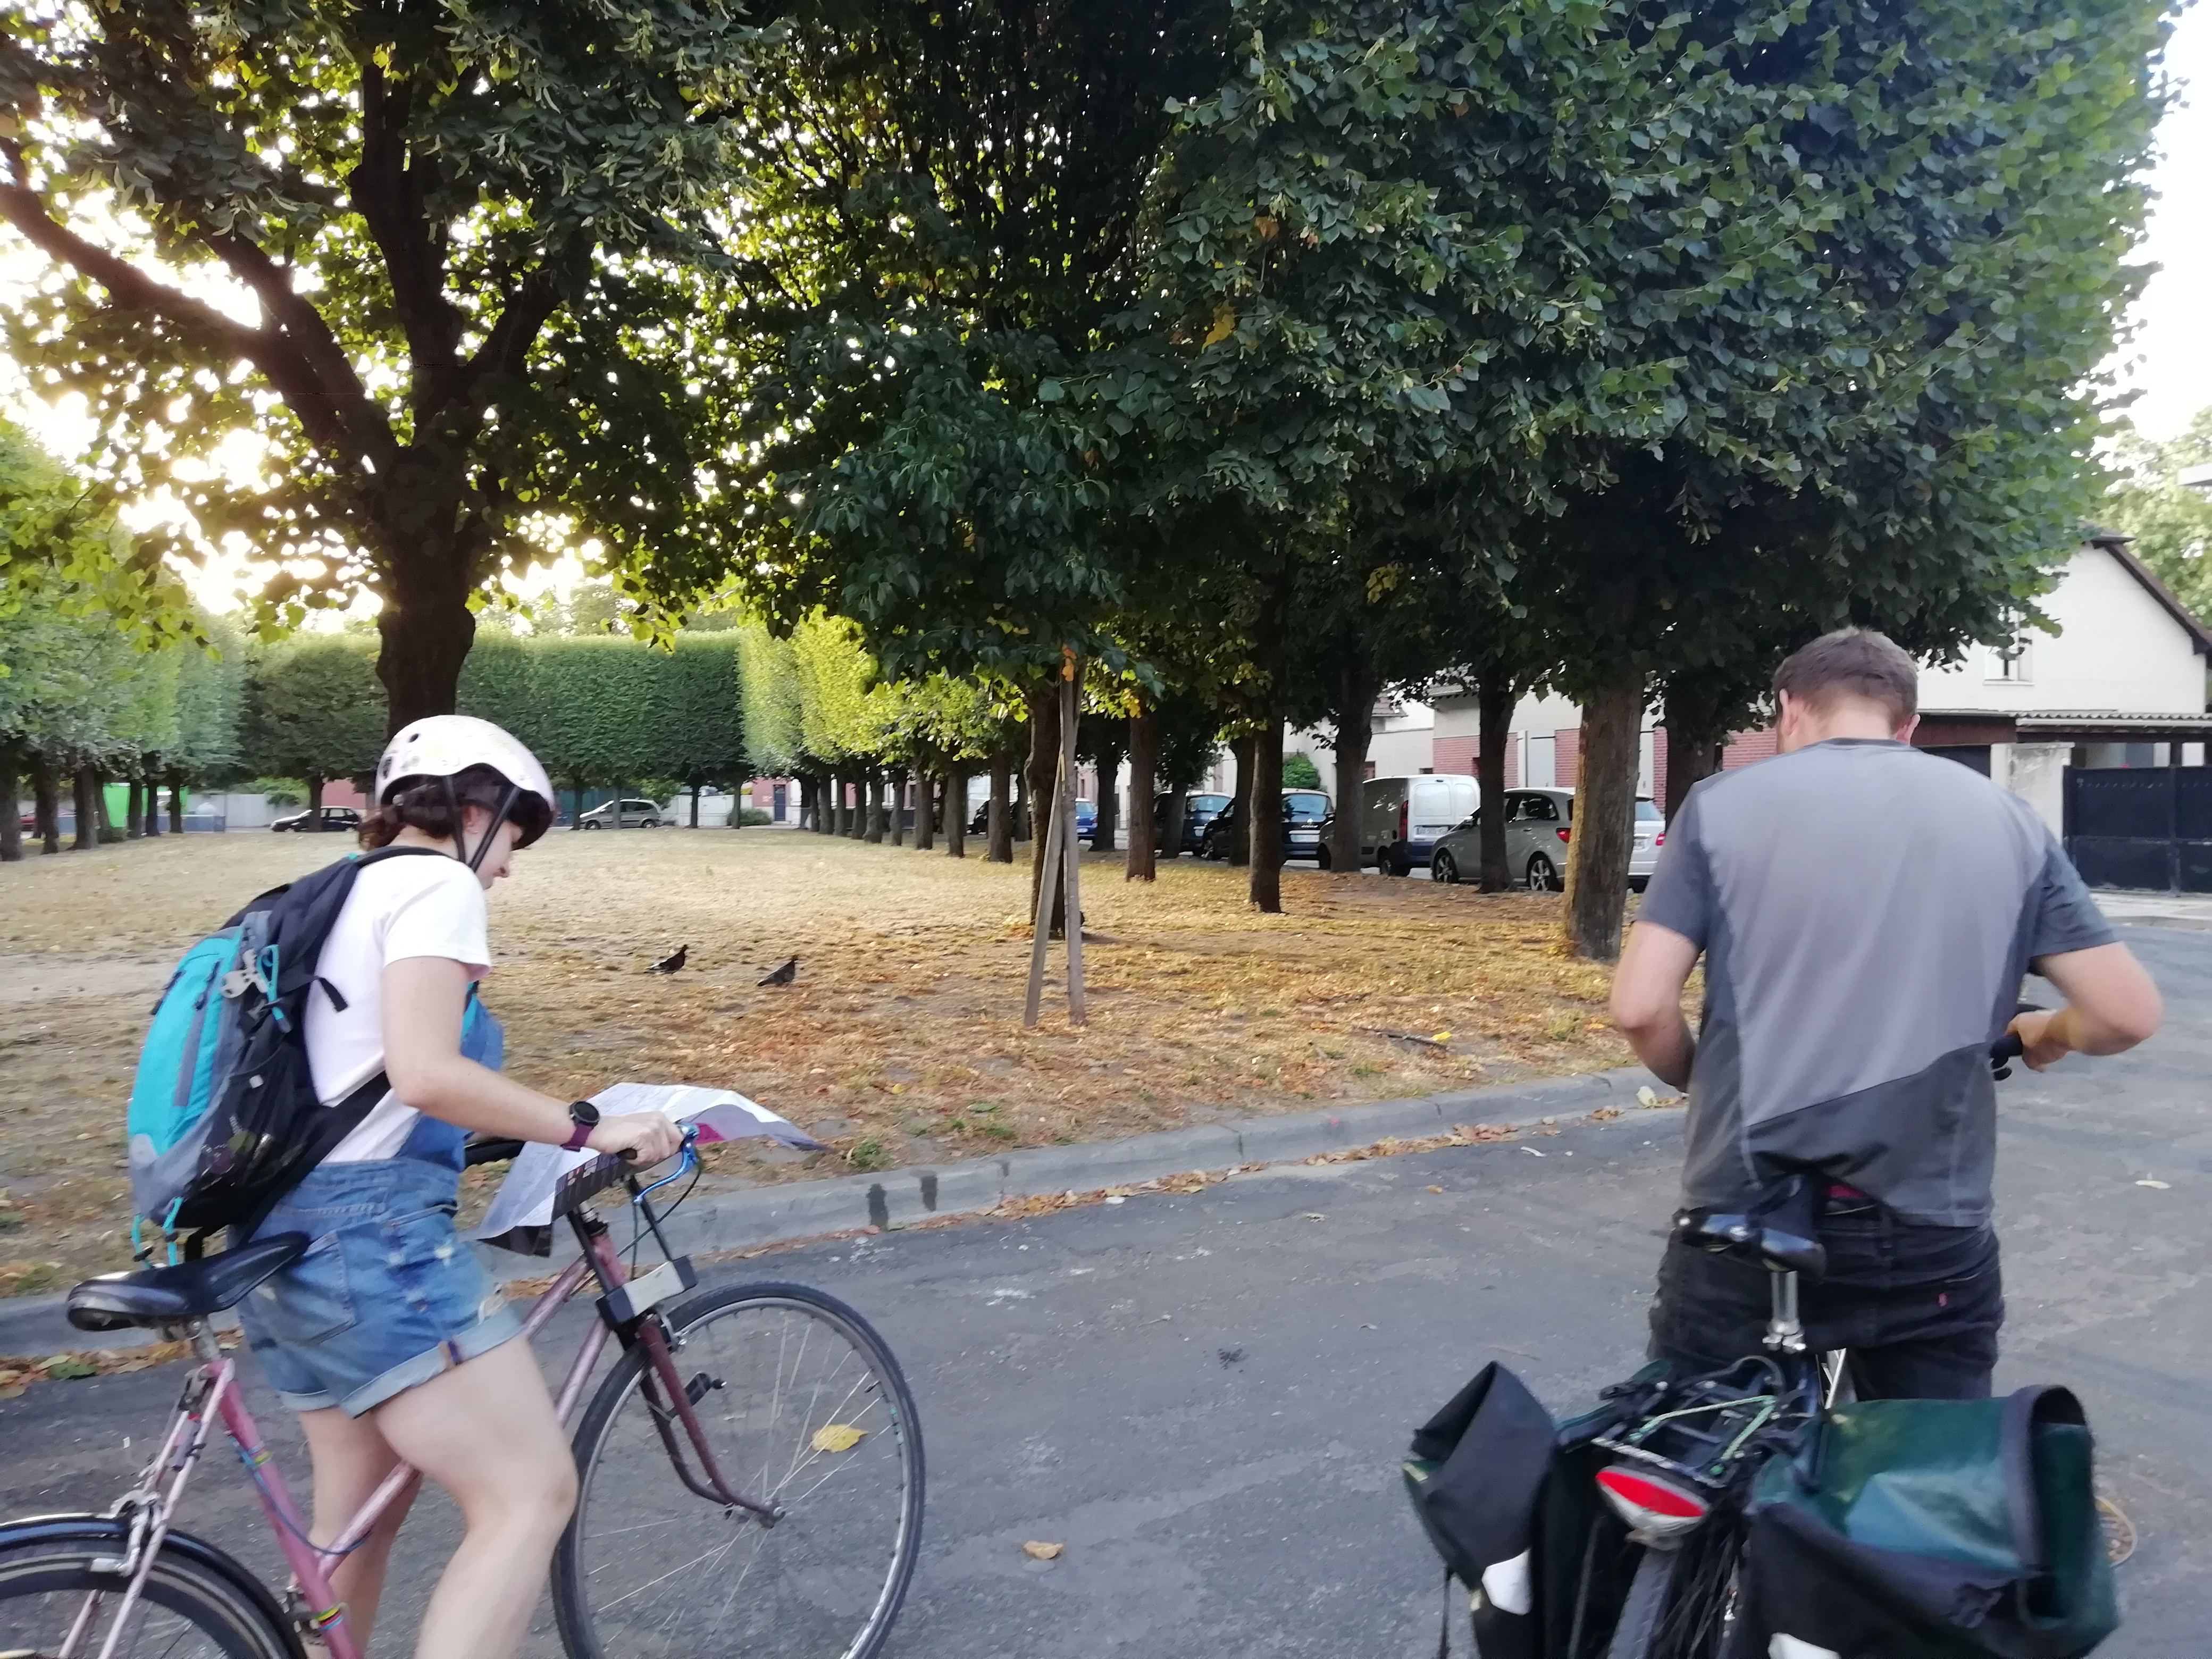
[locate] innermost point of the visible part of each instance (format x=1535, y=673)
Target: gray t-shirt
x=1865, y=912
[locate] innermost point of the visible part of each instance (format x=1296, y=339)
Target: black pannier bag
x=1932, y=1529
x=1509, y=1499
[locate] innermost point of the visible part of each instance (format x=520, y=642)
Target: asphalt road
x=1203, y=1398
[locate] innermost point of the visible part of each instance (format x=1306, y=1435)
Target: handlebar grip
x=2008, y=1047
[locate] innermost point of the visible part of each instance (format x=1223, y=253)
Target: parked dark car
x=1305, y=811
x=338, y=819
x=1198, y=811
x=1086, y=820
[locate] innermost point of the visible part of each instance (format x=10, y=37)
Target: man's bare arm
x=2111, y=1006
x=1647, y=999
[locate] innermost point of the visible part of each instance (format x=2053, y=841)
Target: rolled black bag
x=1932, y=1529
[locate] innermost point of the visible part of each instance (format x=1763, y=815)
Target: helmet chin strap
x=484, y=844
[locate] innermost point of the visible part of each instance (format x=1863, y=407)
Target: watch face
x=583, y=1112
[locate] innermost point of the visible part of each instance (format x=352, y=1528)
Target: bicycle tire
x=1636, y=1632
x=797, y=1610
x=185, y=1598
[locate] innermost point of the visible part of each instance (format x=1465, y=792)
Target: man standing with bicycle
x=1865, y=911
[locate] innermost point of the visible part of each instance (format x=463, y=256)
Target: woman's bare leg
x=352, y=1458
x=486, y=1433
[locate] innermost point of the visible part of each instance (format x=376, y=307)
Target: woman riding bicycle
x=387, y=1336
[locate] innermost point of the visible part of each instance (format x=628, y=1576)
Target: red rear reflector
x=1656, y=1497
x=1563, y=833
x=1659, y=840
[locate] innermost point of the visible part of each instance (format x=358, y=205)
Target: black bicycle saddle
x=1779, y=1232
x=187, y=1289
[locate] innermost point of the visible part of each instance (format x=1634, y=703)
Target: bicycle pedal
x=700, y=1387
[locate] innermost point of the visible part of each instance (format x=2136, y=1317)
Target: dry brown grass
x=901, y=1041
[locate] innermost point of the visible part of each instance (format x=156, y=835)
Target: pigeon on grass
x=670, y=964
x=784, y=975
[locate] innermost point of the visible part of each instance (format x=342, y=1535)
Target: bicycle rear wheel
x=804, y=1409
x=189, y=1610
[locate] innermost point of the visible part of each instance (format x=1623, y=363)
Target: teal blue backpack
x=224, y=1118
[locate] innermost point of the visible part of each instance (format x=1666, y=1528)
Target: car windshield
x=1305, y=809
x=1647, y=813
x=1209, y=803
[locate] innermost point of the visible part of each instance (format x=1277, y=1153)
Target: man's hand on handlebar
x=644, y=1138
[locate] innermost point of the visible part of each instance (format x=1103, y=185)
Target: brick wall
x=1566, y=757
x=1460, y=754
x=1659, y=766
x=1745, y=747
x=1455, y=755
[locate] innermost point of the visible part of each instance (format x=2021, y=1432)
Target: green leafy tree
x=471, y=239
x=2162, y=496
x=596, y=713
x=311, y=711
x=699, y=724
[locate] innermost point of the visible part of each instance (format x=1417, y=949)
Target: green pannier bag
x=1931, y=1529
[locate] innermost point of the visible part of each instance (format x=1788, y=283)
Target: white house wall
x=2118, y=652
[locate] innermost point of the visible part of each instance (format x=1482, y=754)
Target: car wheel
x=1444, y=868
x=1637, y=883
x=1322, y=859
x=1385, y=865
x=1543, y=875
x=591, y=824
x=651, y=823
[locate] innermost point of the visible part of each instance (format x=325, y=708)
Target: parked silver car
x=635, y=814
x=1538, y=825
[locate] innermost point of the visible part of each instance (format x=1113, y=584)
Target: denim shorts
x=388, y=1294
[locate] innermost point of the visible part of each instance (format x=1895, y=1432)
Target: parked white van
x=1401, y=818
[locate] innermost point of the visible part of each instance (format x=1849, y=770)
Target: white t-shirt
x=416, y=905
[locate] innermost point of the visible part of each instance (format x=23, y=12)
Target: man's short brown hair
x=1853, y=662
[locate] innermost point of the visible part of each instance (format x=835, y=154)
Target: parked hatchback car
x=635, y=814
x=1198, y=811
x=1539, y=824
x=338, y=819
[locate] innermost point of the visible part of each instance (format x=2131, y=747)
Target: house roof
x=2115, y=542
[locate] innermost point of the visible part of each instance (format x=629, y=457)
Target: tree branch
x=390, y=199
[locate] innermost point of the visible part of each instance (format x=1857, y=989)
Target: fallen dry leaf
x=2162, y=1185
x=1435, y=1189
x=838, y=1437
x=1037, y=1552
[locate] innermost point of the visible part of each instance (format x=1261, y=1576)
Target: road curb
x=760, y=1216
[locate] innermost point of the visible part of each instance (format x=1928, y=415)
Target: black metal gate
x=2141, y=826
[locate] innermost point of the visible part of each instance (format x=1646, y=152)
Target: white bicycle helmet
x=442, y=746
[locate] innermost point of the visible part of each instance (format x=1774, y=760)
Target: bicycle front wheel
x=52, y=1603
x=804, y=1410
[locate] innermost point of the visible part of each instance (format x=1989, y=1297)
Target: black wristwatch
x=585, y=1117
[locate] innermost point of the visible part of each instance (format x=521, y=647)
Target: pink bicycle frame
x=218, y=1398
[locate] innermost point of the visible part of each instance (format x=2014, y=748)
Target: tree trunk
x=1244, y=748
x=1171, y=836
x=1043, y=774
x=1494, y=701
x=1021, y=804
x=695, y=807
x=1113, y=742
x=1356, y=689
x=924, y=812
x=1143, y=861
x=424, y=631
x=151, y=824
x=1697, y=737
x=134, y=809
x=176, y=802
x=1604, y=819
x=955, y=812
x=11, y=785
x=877, y=787
x=1001, y=822
x=314, y=803
x=47, y=790
x=837, y=810
x=575, y=802
x=1263, y=810
x=895, y=826
x=87, y=783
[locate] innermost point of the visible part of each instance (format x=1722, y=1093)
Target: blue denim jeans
x=388, y=1294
